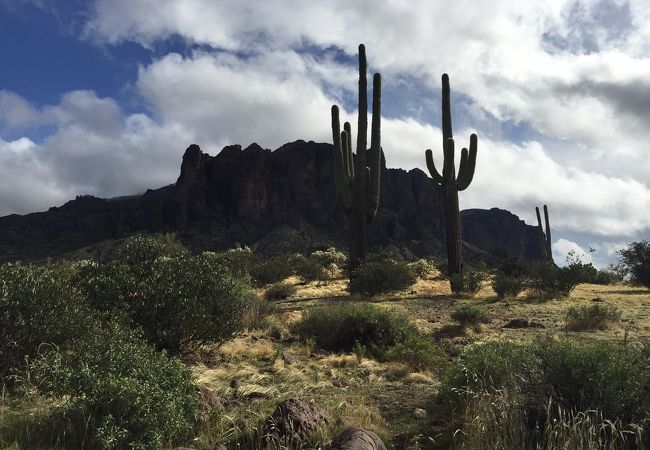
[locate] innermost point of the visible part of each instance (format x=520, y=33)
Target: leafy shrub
x=308, y=269
x=468, y=282
x=380, y=276
x=257, y=312
x=239, y=260
x=280, y=291
x=420, y=268
x=419, y=351
x=330, y=256
x=514, y=266
x=636, y=259
x=492, y=364
x=189, y=300
x=271, y=270
x=141, y=251
x=607, y=276
x=340, y=327
x=508, y=285
x=106, y=286
x=127, y=394
x=38, y=305
x=577, y=376
x=593, y=375
x=470, y=315
x=593, y=317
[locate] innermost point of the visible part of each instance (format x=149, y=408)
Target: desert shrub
x=238, y=260
x=508, y=285
x=141, y=251
x=189, y=300
x=106, y=286
x=420, y=268
x=576, y=376
x=271, y=270
x=468, y=282
x=593, y=375
x=330, y=256
x=592, y=317
x=120, y=392
x=258, y=311
x=419, y=351
x=635, y=258
x=470, y=315
x=280, y=291
x=380, y=276
x=308, y=269
x=607, y=276
x=492, y=364
x=514, y=266
x=38, y=305
x=341, y=327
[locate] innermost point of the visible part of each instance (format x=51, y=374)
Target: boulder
x=296, y=420
x=357, y=439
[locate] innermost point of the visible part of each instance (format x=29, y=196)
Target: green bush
x=280, y=291
x=38, y=305
x=271, y=270
x=122, y=392
x=489, y=365
x=635, y=258
x=593, y=317
x=470, y=315
x=577, y=376
x=239, y=260
x=420, y=268
x=257, y=312
x=380, y=276
x=141, y=251
x=514, y=266
x=593, y=375
x=508, y=285
x=308, y=269
x=419, y=351
x=340, y=327
x=189, y=300
x=468, y=282
x=330, y=256
x=106, y=286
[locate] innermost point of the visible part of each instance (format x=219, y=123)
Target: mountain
x=282, y=200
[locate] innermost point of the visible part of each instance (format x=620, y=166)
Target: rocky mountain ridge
x=282, y=200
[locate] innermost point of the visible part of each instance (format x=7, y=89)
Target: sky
x=102, y=97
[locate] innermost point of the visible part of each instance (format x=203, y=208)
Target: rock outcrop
x=282, y=200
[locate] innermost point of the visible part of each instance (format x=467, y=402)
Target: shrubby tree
x=635, y=258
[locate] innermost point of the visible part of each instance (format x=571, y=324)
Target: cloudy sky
x=102, y=97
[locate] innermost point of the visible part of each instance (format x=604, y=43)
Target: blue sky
x=102, y=96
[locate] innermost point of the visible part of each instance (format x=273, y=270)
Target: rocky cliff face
x=280, y=200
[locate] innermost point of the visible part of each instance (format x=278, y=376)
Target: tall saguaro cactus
x=544, y=238
x=452, y=183
x=357, y=176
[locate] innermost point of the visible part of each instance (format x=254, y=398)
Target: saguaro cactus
x=357, y=177
x=452, y=183
x=544, y=238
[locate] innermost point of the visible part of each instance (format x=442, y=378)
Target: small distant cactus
x=544, y=238
x=357, y=177
x=452, y=183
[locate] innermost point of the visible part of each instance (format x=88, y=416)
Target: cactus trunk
x=358, y=177
x=452, y=219
x=544, y=237
x=452, y=183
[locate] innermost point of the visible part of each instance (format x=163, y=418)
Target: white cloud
x=563, y=247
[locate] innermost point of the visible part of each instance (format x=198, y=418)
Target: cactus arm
x=348, y=159
x=362, y=128
x=448, y=169
x=374, y=160
x=341, y=175
x=466, y=171
x=432, y=168
x=549, y=251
